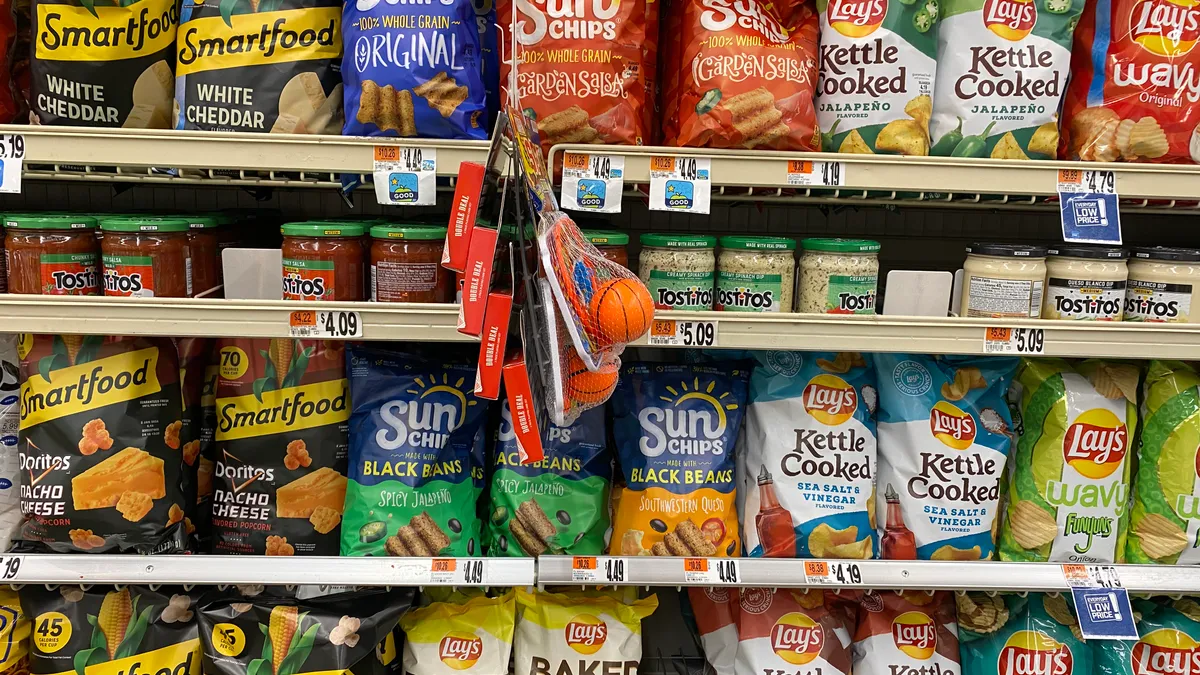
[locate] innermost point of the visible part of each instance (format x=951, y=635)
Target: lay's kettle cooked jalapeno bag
x=1036, y=634
x=1069, y=488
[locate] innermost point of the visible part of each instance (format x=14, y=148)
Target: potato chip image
x=1187, y=607
x=1094, y=135
x=1160, y=538
x=1058, y=609
x=823, y=538
x=1147, y=139
x=840, y=364
x=920, y=109
x=854, y=144
x=981, y=613
x=1008, y=148
x=1045, y=140
x=919, y=598
x=859, y=550
x=1113, y=380
x=811, y=598
x=1031, y=525
x=905, y=137
x=948, y=552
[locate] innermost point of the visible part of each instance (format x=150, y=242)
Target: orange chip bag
x=747, y=75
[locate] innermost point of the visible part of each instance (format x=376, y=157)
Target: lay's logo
x=915, y=634
x=1031, y=652
x=796, y=638
x=459, y=650
x=1165, y=27
x=1010, y=19
x=1165, y=651
x=585, y=633
x=856, y=18
x=830, y=400
x=1095, y=444
x=951, y=425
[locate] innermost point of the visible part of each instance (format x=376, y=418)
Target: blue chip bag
x=413, y=70
x=1170, y=643
x=1013, y=635
x=489, y=38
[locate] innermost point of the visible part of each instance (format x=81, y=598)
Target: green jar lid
x=207, y=222
x=606, y=237
x=48, y=221
x=314, y=228
x=417, y=232
x=144, y=225
x=759, y=243
x=678, y=240
x=836, y=245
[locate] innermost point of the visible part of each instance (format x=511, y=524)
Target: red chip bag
x=747, y=74
x=1135, y=91
x=906, y=632
x=794, y=631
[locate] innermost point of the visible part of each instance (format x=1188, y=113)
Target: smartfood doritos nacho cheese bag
x=906, y=632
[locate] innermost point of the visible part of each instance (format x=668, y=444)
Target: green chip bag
x=1070, y=482
x=1037, y=634
x=1170, y=642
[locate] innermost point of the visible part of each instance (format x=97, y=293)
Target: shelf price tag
x=1101, y=602
x=675, y=333
x=339, y=325
x=1014, y=341
x=598, y=569
x=680, y=184
x=12, y=157
x=1089, y=206
x=1094, y=576
x=405, y=176
x=10, y=567
x=712, y=571
x=832, y=573
x=592, y=182
x=824, y=174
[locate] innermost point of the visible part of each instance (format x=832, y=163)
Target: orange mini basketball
x=622, y=311
x=584, y=386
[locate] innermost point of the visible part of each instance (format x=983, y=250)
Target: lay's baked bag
x=808, y=458
x=579, y=632
x=1008, y=634
x=1069, y=488
x=905, y=633
x=476, y=634
x=675, y=426
x=1170, y=641
x=943, y=442
x=795, y=631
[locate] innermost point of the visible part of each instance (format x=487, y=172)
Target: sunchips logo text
x=856, y=18
x=915, y=634
x=1165, y=651
x=1030, y=652
x=575, y=20
x=796, y=638
x=88, y=386
x=585, y=633
x=1165, y=27
x=692, y=422
x=283, y=410
x=1010, y=19
x=1095, y=444
x=433, y=410
x=830, y=400
x=214, y=43
x=460, y=650
x=951, y=425
x=720, y=15
x=72, y=33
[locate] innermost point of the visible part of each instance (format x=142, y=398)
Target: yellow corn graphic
x=73, y=343
x=114, y=618
x=281, y=356
x=284, y=620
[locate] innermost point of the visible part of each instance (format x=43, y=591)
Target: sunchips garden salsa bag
x=1037, y=634
x=1069, y=489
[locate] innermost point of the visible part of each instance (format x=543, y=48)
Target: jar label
x=129, y=275
x=1004, y=298
x=69, y=274
x=1158, y=302
x=747, y=292
x=1084, y=300
x=308, y=279
x=851, y=294
x=396, y=282
x=681, y=290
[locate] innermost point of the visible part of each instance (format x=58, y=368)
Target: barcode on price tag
x=680, y=183
x=598, y=569
x=824, y=174
x=836, y=573
x=340, y=325
x=1014, y=341
x=712, y=572
x=405, y=176
x=592, y=182
x=674, y=333
x=1079, y=180
x=457, y=571
x=1095, y=576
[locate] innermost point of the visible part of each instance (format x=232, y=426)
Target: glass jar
x=679, y=270
x=1003, y=281
x=756, y=274
x=51, y=254
x=1162, y=283
x=611, y=244
x=323, y=261
x=204, y=238
x=838, y=276
x=1085, y=283
x=406, y=264
x=146, y=257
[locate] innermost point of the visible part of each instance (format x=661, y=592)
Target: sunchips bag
x=1003, y=67
x=445, y=638
x=558, y=504
x=1069, y=488
x=878, y=59
x=1169, y=643
x=100, y=446
x=578, y=632
x=808, y=460
x=416, y=463
x=675, y=426
x=1009, y=635
x=794, y=630
x=906, y=632
x=943, y=441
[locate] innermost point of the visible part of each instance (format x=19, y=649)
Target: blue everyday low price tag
x=1089, y=207
x=1104, y=613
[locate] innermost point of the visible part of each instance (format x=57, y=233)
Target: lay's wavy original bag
x=943, y=443
x=675, y=427
x=1069, y=488
x=476, y=634
x=808, y=461
x=1170, y=641
x=1013, y=635
x=579, y=632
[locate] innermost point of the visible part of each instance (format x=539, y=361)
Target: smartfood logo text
x=693, y=421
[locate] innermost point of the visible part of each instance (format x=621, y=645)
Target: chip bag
x=1009, y=634
x=715, y=611
x=10, y=424
x=795, y=631
x=1070, y=480
x=1169, y=643
x=15, y=631
x=560, y=633
x=444, y=638
x=906, y=632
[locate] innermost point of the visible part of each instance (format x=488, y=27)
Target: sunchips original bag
x=103, y=64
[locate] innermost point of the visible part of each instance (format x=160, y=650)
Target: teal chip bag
x=1013, y=635
x=1170, y=643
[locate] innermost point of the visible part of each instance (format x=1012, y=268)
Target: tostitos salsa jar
x=323, y=261
x=146, y=257
x=52, y=254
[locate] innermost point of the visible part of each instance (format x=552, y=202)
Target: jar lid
x=417, y=232
x=1008, y=250
x=205, y=222
x=1166, y=253
x=760, y=243
x=48, y=221
x=838, y=245
x=606, y=237
x=315, y=228
x=144, y=225
x=1089, y=252
x=678, y=240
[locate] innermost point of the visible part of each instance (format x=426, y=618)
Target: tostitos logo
x=1165, y=651
x=692, y=421
x=1165, y=27
x=796, y=638
x=856, y=18
x=830, y=400
x=585, y=633
x=915, y=634
x=951, y=425
x=1010, y=19
x=1031, y=652
x=1095, y=444
x=460, y=650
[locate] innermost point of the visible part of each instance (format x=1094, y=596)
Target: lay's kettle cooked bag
x=808, y=461
x=1037, y=634
x=795, y=631
x=1069, y=488
x=906, y=633
x=943, y=442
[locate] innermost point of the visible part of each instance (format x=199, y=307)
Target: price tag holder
x=680, y=184
x=712, y=571
x=832, y=573
x=599, y=569
x=1089, y=206
x=338, y=325
x=10, y=567
x=822, y=174
x=12, y=159
x=1094, y=576
x=592, y=182
x=1014, y=341
x=405, y=176
x=673, y=333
